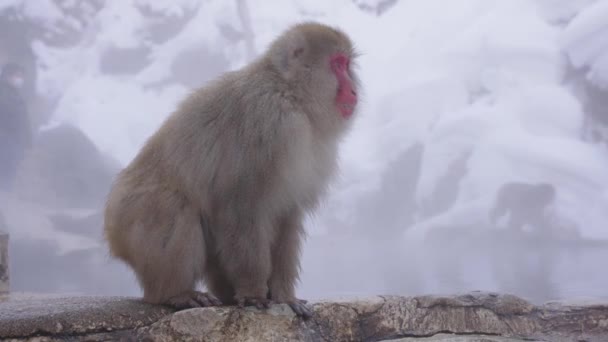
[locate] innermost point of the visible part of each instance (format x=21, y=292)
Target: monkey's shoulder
x=239, y=96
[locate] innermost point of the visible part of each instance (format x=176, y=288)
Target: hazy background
x=460, y=97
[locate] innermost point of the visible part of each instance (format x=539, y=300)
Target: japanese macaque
x=217, y=195
x=525, y=203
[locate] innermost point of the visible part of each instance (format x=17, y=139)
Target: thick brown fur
x=219, y=192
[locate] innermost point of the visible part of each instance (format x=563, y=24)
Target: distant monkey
x=219, y=192
x=525, y=203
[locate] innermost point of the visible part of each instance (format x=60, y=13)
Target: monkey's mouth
x=346, y=100
x=346, y=109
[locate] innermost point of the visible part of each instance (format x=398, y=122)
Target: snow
x=36, y=226
x=471, y=77
x=586, y=41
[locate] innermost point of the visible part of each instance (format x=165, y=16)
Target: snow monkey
x=525, y=203
x=217, y=195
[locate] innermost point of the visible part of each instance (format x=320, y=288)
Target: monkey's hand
x=260, y=303
x=193, y=299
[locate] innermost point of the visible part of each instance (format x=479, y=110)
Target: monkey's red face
x=346, y=96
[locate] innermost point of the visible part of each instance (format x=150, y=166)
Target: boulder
x=475, y=316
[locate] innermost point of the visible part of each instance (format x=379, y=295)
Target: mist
x=461, y=99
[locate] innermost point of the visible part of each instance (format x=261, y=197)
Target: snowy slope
x=471, y=77
x=586, y=42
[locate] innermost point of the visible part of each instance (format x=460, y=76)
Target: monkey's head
x=317, y=63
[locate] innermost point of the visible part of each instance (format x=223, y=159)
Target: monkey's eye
x=339, y=62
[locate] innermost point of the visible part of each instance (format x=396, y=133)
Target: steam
x=459, y=98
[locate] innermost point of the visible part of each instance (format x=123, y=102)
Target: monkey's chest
x=306, y=172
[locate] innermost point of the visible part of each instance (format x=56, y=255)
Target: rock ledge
x=476, y=316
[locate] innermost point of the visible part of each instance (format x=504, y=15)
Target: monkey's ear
x=289, y=55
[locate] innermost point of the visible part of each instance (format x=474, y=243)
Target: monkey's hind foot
x=193, y=299
x=260, y=303
x=299, y=307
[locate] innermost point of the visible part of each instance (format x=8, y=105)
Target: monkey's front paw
x=193, y=299
x=260, y=303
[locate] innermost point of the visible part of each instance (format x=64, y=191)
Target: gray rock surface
x=74, y=316
x=475, y=316
x=459, y=338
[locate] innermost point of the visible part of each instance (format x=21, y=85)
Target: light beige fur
x=218, y=193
